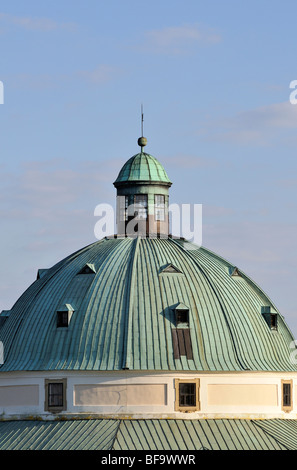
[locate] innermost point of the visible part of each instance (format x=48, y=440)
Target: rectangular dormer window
x=140, y=206
x=160, y=207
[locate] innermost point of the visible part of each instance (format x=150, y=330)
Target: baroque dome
x=121, y=297
x=146, y=334
x=142, y=167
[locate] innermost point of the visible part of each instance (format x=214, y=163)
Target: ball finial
x=142, y=141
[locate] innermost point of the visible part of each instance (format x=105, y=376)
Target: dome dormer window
x=181, y=337
x=269, y=317
x=170, y=269
x=41, y=273
x=64, y=315
x=182, y=315
x=234, y=271
x=4, y=316
x=88, y=269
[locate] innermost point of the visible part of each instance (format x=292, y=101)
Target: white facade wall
x=147, y=395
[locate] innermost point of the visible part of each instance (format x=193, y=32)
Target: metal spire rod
x=142, y=141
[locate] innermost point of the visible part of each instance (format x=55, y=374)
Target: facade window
x=55, y=395
x=160, y=207
x=55, y=399
x=140, y=206
x=187, y=395
x=287, y=395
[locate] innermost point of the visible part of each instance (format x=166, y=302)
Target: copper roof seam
x=148, y=166
x=255, y=325
x=220, y=333
x=160, y=320
x=218, y=299
x=188, y=277
x=127, y=332
x=90, y=337
x=239, y=332
x=148, y=287
x=57, y=281
x=278, y=430
x=213, y=321
x=103, y=337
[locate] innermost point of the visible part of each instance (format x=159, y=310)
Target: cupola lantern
x=142, y=196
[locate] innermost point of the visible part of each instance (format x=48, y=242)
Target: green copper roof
x=122, y=313
x=142, y=167
x=149, y=434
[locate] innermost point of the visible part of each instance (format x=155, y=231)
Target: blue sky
x=214, y=80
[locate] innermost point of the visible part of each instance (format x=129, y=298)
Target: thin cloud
x=30, y=23
x=45, y=188
x=288, y=183
x=101, y=74
x=190, y=161
x=47, y=212
x=265, y=251
x=179, y=39
x=258, y=126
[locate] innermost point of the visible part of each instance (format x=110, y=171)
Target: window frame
x=123, y=204
x=182, y=408
x=159, y=208
x=143, y=207
x=55, y=408
x=287, y=406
